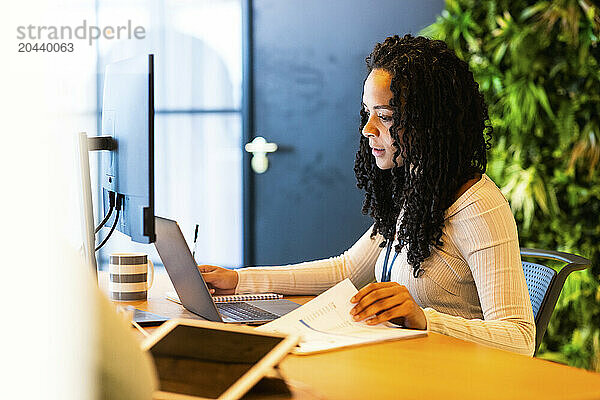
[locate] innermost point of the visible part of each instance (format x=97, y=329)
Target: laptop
x=193, y=291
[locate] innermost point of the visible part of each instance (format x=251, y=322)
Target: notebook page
x=325, y=323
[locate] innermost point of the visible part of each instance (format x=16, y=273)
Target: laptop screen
x=183, y=271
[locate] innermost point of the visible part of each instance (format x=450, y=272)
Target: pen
x=195, y=239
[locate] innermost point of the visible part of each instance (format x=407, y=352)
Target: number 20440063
x=46, y=47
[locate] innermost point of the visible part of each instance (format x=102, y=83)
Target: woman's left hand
x=388, y=301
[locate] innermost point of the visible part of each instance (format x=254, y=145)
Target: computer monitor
x=128, y=169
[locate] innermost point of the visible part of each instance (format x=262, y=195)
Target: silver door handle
x=259, y=147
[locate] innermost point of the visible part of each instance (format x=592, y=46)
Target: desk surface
x=432, y=367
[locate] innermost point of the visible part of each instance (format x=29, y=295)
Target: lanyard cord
x=386, y=274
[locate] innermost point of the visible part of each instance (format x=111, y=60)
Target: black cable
x=111, y=199
x=110, y=210
x=112, y=229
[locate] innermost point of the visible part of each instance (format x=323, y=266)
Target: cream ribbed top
x=473, y=287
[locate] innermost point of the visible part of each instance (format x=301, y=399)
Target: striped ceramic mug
x=128, y=276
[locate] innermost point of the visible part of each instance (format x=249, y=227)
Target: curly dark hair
x=441, y=131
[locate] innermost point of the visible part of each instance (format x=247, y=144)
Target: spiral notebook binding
x=246, y=297
x=231, y=298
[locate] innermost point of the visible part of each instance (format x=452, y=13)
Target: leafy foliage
x=537, y=63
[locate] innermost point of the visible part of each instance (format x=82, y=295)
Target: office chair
x=544, y=284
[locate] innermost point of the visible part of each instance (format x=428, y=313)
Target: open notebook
x=325, y=323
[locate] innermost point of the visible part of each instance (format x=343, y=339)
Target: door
x=304, y=75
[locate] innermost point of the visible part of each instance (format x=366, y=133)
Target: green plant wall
x=537, y=63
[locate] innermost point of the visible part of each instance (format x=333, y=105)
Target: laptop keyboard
x=240, y=311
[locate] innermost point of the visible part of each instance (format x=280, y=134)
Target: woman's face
x=376, y=103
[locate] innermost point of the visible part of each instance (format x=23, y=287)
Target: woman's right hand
x=219, y=280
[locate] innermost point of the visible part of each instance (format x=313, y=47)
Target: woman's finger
x=401, y=310
x=381, y=306
x=372, y=297
x=208, y=268
x=210, y=277
x=369, y=288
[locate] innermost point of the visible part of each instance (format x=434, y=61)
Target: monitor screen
x=128, y=116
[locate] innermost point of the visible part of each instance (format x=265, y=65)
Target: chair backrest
x=544, y=284
x=538, y=278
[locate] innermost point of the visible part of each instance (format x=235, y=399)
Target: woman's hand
x=388, y=301
x=219, y=280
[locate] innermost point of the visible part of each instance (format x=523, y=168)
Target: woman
x=443, y=248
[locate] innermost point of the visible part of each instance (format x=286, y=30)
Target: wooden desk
x=432, y=367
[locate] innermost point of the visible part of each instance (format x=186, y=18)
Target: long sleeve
x=486, y=235
x=314, y=277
